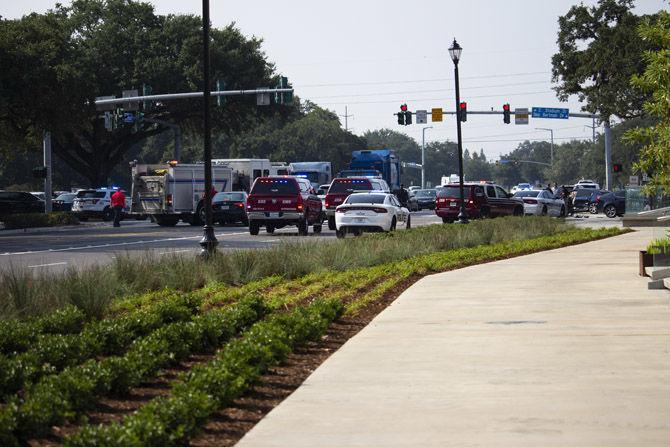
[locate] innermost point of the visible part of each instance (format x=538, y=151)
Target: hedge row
x=18, y=336
x=170, y=421
x=61, y=397
x=33, y=220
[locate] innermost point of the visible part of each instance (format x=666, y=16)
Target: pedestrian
x=118, y=203
x=403, y=196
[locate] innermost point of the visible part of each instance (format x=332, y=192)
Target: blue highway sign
x=547, y=112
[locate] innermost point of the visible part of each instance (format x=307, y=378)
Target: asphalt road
x=97, y=243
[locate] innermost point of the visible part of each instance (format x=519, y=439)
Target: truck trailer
x=380, y=163
x=317, y=172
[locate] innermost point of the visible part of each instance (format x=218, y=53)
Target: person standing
x=403, y=196
x=118, y=203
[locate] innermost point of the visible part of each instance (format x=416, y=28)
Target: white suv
x=96, y=203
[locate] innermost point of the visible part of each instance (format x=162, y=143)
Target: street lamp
x=455, y=53
x=208, y=241
x=552, y=142
x=423, y=156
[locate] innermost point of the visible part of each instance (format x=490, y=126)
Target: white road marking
x=118, y=244
x=46, y=265
x=174, y=251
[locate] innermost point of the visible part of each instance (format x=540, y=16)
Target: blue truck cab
x=382, y=163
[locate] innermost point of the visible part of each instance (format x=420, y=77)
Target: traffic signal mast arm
x=172, y=96
x=496, y=112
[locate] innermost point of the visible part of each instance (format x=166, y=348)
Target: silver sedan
x=542, y=203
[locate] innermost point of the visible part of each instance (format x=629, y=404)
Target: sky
x=369, y=57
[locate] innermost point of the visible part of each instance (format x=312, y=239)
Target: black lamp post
x=455, y=53
x=208, y=241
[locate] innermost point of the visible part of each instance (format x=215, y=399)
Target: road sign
x=548, y=112
x=436, y=114
x=131, y=105
x=421, y=117
x=105, y=107
x=520, y=116
x=128, y=118
x=634, y=180
x=263, y=99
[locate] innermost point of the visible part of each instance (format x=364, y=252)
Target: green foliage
x=205, y=388
x=18, y=336
x=32, y=220
x=599, y=50
x=655, y=157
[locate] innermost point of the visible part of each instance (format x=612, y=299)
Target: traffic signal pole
x=48, y=207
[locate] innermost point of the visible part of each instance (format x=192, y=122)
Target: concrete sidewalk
x=560, y=348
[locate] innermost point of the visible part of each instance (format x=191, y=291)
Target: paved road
x=56, y=250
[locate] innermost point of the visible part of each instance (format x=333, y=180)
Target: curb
x=54, y=229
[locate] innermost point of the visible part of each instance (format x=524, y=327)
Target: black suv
x=14, y=202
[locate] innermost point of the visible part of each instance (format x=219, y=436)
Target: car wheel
x=340, y=233
x=167, y=221
x=269, y=229
x=317, y=228
x=331, y=223
x=562, y=212
x=484, y=213
x=254, y=228
x=408, y=225
x=202, y=215
x=302, y=228
x=518, y=211
x=593, y=209
x=393, y=224
x=107, y=214
x=610, y=211
x=446, y=220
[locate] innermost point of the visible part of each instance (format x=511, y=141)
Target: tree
x=655, y=156
x=63, y=59
x=599, y=51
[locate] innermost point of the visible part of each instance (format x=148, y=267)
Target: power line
x=436, y=99
x=348, y=84
x=524, y=139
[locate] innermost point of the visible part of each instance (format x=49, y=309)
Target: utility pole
x=47, y=164
x=593, y=128
x=423, y=156
x=346, y=119
x=608, y=154
x=552, y=141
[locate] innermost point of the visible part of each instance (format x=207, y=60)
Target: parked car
x=15, y=202
x=278, y=201
x=425, y=198
x=580, y=199
x=593, y=199
x=341, y=187
x=230, y=207
x=481, y=201
x=541, y=203
x=96, y=203
x=63, y=202
x=521, y=187
x=612, y=204
x=586, y=184
x=370, y=211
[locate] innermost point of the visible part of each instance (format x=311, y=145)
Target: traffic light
x=616, y=167
x=40, y=172
x=146, y=91
x=463, y=111
x=283, y=97
x=506, y=113
x=220, y=86
x=403, y=115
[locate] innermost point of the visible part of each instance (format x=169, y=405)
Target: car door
x=504, y=203
x=397, y=208
x=492, y=200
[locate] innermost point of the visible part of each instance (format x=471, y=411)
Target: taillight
x=341, y=210
x=168, y=200
x=239, y=205
x=299, y=205
x=530, y=201
x=380, y=210
x=327, y=202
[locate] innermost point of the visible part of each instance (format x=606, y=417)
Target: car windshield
x=66, y=197
x=366, y=198
x=229, y=196
x=425, y=193
x=526, y=193
x=523, y=185
x=91, y=194
x=584, y=193
x=278, y=186
x=452, y=191
x=311, y=176
x=350, y=185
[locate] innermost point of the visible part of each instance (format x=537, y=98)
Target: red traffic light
x=464, y=106
x=506, y=107
x=616, y=167
x=403, y=107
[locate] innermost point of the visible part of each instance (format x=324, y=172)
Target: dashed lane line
x=46, y=265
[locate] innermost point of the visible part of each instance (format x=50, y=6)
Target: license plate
x=360, y=219
x=452, y=203
x=225, y=207
x=274, y=215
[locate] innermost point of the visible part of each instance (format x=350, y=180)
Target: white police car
x=96, y=203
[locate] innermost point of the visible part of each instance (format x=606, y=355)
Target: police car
x=96, y=203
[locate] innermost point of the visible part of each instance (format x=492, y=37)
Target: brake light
x=239, y=205
x=327, y=202
x=380, y=210
x=341, y=210
x=168, y=200
x=299, y=205
x=530, y=200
